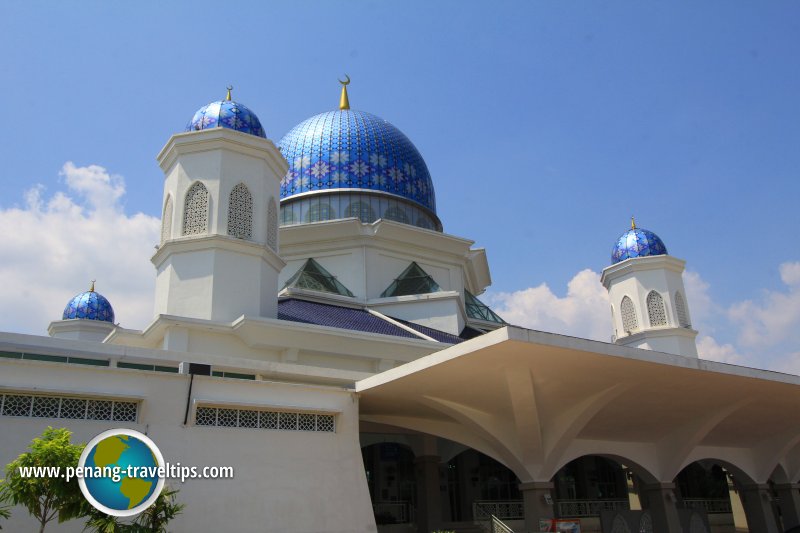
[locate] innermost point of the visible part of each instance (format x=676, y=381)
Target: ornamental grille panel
x=680, y=309
x=70, y=408
x=240, y=212
x=655, y=309
x=195, y=212
x=628, y=312
x=166, y=220
x=257, y=419
x=272, y=224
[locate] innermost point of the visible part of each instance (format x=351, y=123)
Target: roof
x=355, y=319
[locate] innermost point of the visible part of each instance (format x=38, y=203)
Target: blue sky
x=545, y=125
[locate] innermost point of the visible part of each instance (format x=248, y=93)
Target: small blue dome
x=89, y=305
x=226, y=114
x=637, y=242
x=347, y=149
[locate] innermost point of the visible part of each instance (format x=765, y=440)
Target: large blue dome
x=353, y=150
x=226, y=114
x=637, y=242
x=89, y=305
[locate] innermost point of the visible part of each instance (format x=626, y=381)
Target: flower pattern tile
x=89, y=305
x=226, y=114
x=637, y=243
x=348, y=149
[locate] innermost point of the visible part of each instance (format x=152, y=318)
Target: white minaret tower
x=218, y=257
x=648, y=300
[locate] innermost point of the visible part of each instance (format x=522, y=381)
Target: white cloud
x=775, y=319
x=53, y=246
x=583, y=312
x=709, y=348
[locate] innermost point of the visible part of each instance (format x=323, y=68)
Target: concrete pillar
x=789, y=495
x=537, y=503
x=758, y=508
x=737, y=508
x=633, y=490
x=429, y=497
x=660, y=498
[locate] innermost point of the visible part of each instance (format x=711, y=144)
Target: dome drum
x=367, y=206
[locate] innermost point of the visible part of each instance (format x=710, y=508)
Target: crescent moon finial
x=344, y=102
x=228, y=97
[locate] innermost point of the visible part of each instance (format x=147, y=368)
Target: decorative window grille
x=628, y=311
x=195, y=212
x=655, y=309
x=240, y=212
x=29, y=405
x=360, y=210
x=258, y=419
x=319, y=212
x=398, y=214
x=680, y=308
x=166, y=220
x=272, y=224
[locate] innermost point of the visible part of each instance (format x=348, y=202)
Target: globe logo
x=120, y=472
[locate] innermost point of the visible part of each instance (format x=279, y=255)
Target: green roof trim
x=313, y=277
x=413, y=280
x=480, y=311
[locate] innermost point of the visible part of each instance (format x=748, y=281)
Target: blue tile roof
x=336, y=316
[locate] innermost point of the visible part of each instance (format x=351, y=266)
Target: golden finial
x=344, y=102
x=230, y=88
x=91, y=289
x=633, y=223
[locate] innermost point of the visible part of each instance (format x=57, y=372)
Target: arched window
x=628, y=311
x=655, y=309
x=680, y=309
x=287, y=215
x=398, y=214
x=240, y=212
x=166, y=219
x=360, y=210
x=272, y=224
x=195, y=211
x=319, y=212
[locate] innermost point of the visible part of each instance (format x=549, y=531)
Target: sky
x=545, y=126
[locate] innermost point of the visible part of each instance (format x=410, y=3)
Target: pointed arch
x=272, y=224
x=240, y=212
x=655, y=309
x=166, y=219
x=629, y=321
x=360, y=210
x=680, y=309
x=195, y=210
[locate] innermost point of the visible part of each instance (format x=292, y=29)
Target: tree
x=154, y=519
x=46, y=498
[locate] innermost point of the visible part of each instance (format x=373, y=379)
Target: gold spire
x=344, y=102
x=91, y=289
x=230, y=88
x=633, y=223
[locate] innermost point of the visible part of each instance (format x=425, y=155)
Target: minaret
x=648, y=300
x=218, y=257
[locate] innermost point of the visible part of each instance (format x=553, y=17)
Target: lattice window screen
x=166, y=220
x=680, y=308
x=195, y=212
x=272, y=224
x=628, y=311
x=73, y=408
x=254, y=418
x=240, y=212
x=655, y=309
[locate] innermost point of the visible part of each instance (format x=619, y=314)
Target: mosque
x=316, y=329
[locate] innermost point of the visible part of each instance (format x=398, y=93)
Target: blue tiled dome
x=347, y=149
x=89, y=305
x=226, y=114
x=637, y=242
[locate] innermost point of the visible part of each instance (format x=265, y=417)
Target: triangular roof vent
x=313, y=277
x=413, y=280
